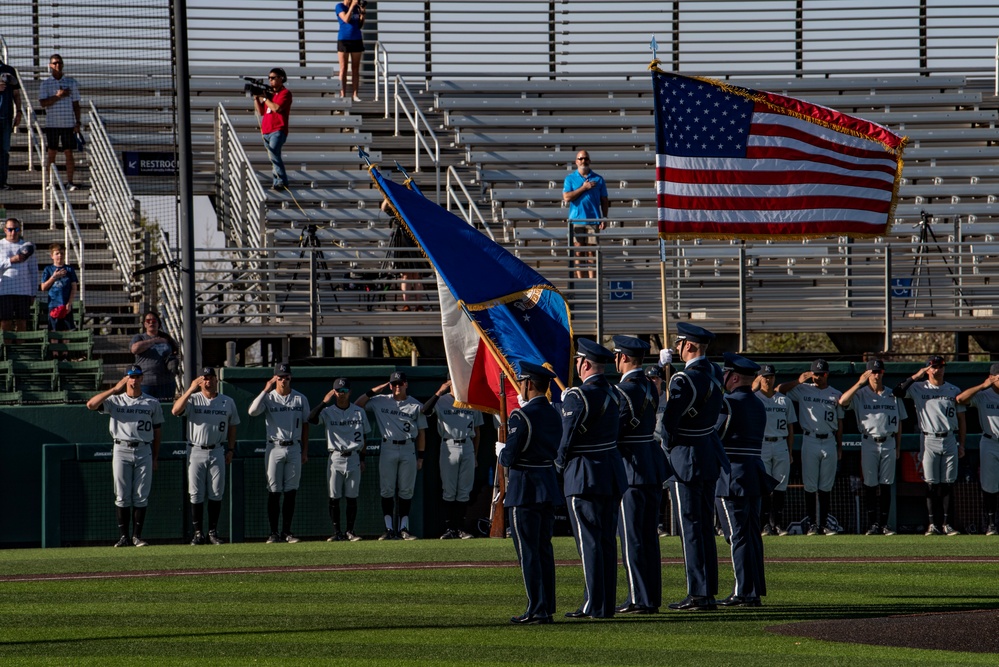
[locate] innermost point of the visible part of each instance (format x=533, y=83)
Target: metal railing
x=112, y=199
x=902, y=285
x=381, y=75
x=465, y=203
x=168, y=295
x=240, y=199
x=419, y=124
x=36, y=137
x=62, y=210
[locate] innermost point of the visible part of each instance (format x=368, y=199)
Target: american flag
x=734, y=162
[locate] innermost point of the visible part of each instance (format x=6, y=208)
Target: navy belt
x=283, y=443
x=340, y=452
x=772, y=439
x=987, y=435
x=129, y=443
x=818, y=436
x=462, y=441
x=877, y=438
x=194, y=446
x=944, y=434
x=593, y=448
x=542, y=465
x=397, y=442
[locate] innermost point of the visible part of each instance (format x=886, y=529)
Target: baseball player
x=646, y=468
x=741, y=427
x=821, y=420
x=459, y=431
x=985, y=397
x=285, y=413
x=403, y=427
x=879, y=419
x=211, y=428
x=593, y=475
x=532, y=492
x=136, y=419
x=942, y=422
x=777, y=452
x=346, y=427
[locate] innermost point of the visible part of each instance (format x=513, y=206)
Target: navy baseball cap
x=536, y=373
x=633, y=347
x=740, y=365
x=134, y=370
x=594, y=352
x=654, y=372
x=875, y=365
x=208, y=372
x=283, y=370
x=766, y=369
x=820, y=366
x=994, y=369
x=398, y=376
x=935, y=360
x=693, y=333
x=341, y=385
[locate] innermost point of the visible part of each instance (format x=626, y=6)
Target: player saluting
x=136, y=419
x=777, y=454
x=985, y=397
x=287, y=447
x=346, y=426
x=211, y=441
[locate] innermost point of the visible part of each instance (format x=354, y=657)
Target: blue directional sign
x=621, y=290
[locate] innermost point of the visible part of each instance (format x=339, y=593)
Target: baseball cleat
x=387, y=535
x=829, y=531
x=273, y=538
x=290, y=539
x=352, y=536
x=199, y=539
x=406, y=535
x=139, y=542
x=782, y=532
x=813, y=530
x=661, y=530
x=123, y=541
x=449, y=534
x=875, y=529
x=465, y=536
x=950, y=530
x=214, y=538
x=933, y=530
x=334, y=538
x=888, y=531
x=992, y=530
x=767, y=531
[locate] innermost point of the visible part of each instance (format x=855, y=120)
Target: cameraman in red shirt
x=274, y=112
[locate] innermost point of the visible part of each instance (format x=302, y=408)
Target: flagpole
x=497, y=523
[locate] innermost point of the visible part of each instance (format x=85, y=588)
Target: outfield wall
x=81, y=499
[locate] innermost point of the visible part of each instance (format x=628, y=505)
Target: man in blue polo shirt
x=586, y=193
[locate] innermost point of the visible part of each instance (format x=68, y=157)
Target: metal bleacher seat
x=81, y=375
x=76, y=344
x=36, y=375
x=25, y=345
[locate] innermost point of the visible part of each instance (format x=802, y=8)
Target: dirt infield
x=971, y=631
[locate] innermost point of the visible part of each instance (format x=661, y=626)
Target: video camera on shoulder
x=258, y=87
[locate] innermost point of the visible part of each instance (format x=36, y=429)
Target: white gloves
x=665, y=357
x=499, y=448
x=564, y=392
x=520, y=401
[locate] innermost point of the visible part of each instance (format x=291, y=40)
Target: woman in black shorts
x=350, y=44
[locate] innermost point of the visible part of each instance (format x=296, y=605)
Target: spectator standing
x=18, y=277
x=61, y=282
x=274, y=112
x=10, y=117
x=586, y=193
x=60, y=97
x=155, y=352
x=349, y=43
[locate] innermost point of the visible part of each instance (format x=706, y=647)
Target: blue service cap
x=536, y=373
x=693, y=333
x=633, y=347
x=594, y=352
x=739, y=364
x=133, y=370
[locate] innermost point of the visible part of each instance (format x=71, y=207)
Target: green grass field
x=459, y=614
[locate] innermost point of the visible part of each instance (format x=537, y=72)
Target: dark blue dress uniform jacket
x=588, y=455
x=532, y=441
x=741, y=425
x=689, y=423
x=644, y=460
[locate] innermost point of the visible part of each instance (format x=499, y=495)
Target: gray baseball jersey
x=133, y=419
x=780, y=414
x=936, y=407
x=345, y=429
x=878, y=414
x=397, y=420
x=455, y=423
x=284, y=414
x=987, y=403
x=209, y=419
x=818, y=409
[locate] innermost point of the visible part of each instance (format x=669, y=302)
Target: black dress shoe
x=532, y=620
x=740, y=601
x=694, y=603
x=632, y=608
x=579, y=613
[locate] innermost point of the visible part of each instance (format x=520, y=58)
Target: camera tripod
x=926, y=239
x=309, y=239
